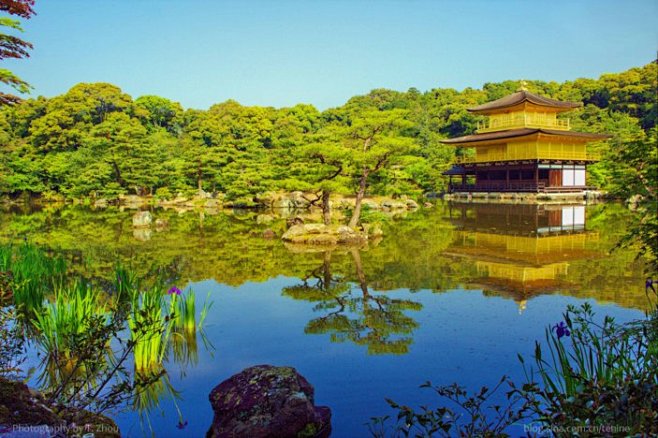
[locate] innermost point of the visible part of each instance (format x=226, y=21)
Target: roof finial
x=523, y=86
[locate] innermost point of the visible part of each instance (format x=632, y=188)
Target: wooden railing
x=515, y=186
x=515, y=121
x=575, y=156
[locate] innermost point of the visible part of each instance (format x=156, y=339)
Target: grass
x=62, y=328
x=32, y=275
x=150, y=327
x=184, y=339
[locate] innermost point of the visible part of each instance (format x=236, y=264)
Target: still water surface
x=450, y=294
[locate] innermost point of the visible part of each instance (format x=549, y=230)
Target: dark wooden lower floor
x=519, y=177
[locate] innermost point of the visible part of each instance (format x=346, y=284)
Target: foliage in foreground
x=79, y=327
x=596, y=378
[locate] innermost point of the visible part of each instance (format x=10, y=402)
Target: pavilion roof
x=458, y=170
x=520, y=97
x=522, y=132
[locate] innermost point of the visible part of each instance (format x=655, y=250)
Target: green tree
x=156, y=112
x=13, y=47
x=374, y=142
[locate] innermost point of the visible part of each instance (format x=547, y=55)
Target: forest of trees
x=97, y=142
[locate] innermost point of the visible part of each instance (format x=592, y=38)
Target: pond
x=450, y=294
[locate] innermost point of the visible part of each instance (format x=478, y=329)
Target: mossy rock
x=21, y=406
x=267, y=401
x=25, y=410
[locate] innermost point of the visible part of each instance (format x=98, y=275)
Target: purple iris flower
x=561, y=330
x=649, y=285
x=174, y=290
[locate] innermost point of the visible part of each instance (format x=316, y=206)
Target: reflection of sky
x=463, y=336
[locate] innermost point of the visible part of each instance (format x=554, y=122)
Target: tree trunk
x=199, y=177
x=356, y=214
x=117, y=173
x=356, y=256
x=326, y=210
x=326, y=265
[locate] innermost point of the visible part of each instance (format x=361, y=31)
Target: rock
x=634, y=201
x=371, y=204
x=142, y=219
x=319, y=239
x=212, y=203
x=269, y=234
x=344, y=229
x=25, y=413
x=132, y=201
x=142, y=234
x=298, y=200
x=375, y=231
x=267, y=401
x=295, y=220
x=320, y=234
x=20, y=406
x=202, y=194
x=428, y=205
x=315, y=228
x=264, y=219
x=295, y=230
x=101, y=203
x=161, y=223
x=85, y=423
x=284, y=203
x=393, y=205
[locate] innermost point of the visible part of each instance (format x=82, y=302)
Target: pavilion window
x=568, y=177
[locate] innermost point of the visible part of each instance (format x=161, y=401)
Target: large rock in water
x=320, y=234
x=142, y=219
x=267, y=401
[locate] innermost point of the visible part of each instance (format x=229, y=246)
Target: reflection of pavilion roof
x=523, y=96
x=517, y=290
x=521, y=250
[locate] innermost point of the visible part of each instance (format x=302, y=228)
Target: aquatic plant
x=62, y=326
x=597, y=376
x=125, y=282
x=28, y=274
x=561, y=330
x=149, y=389
x=150, y=327
x=606, y=375
x=186, y=328
x=598, y=351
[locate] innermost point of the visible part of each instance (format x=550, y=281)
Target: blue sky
x=280, y=53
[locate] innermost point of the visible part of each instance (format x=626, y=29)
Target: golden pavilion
x=523, y=146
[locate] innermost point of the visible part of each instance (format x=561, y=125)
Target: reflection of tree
x=354, y=313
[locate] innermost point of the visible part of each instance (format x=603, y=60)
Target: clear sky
x=280, y=53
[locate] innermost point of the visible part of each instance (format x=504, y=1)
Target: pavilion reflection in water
x=521, y=250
